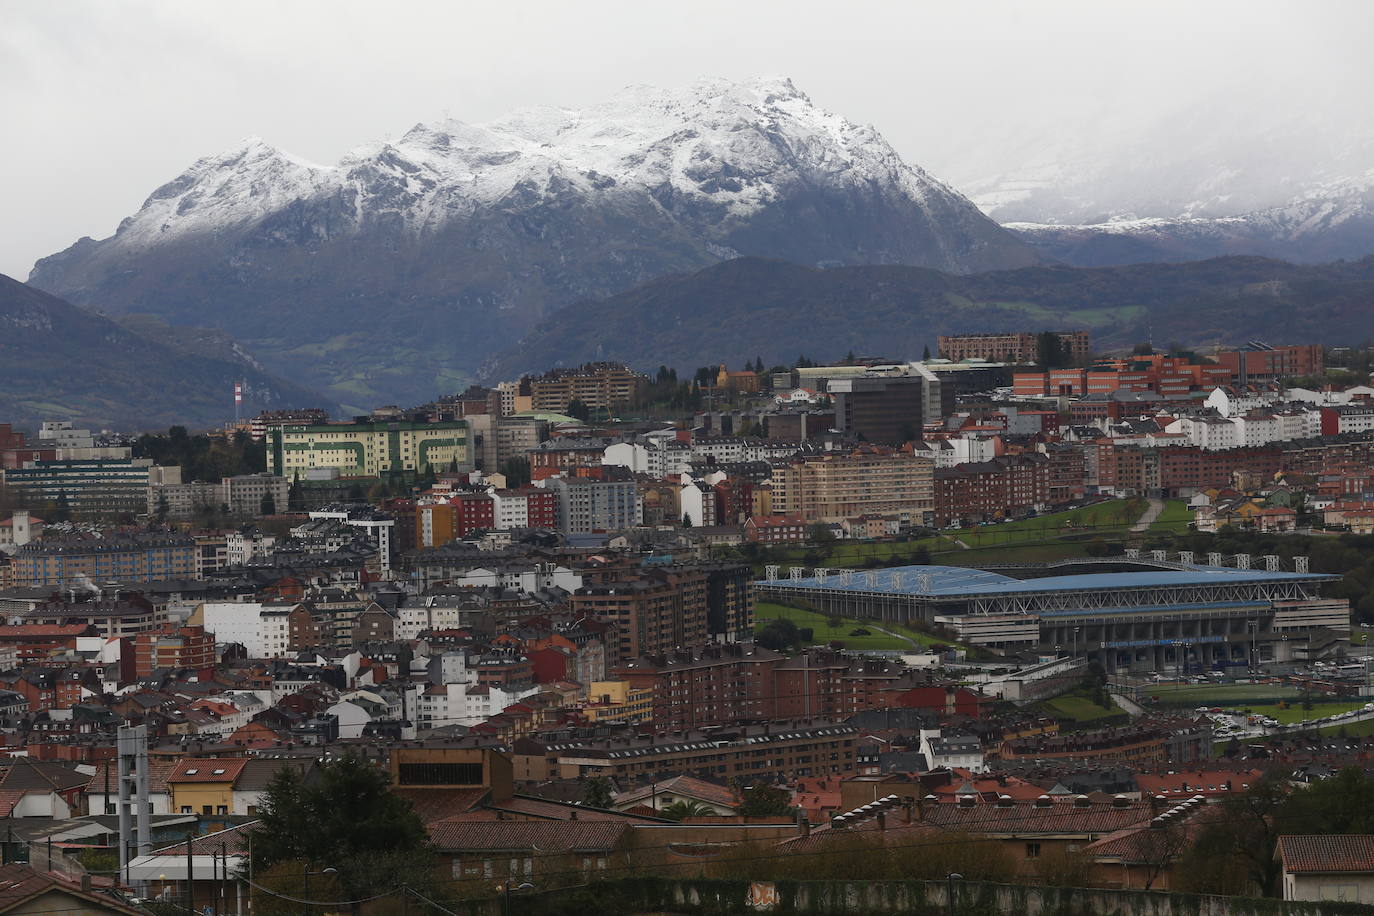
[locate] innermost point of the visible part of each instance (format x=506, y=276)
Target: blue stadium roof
x=956, y=581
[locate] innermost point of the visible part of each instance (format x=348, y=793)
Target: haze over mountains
x=1292, y=179
x=391, y=275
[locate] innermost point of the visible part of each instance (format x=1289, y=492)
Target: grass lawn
x=1113, y=516
x=1352, y=729
x=851, y=553
x=1295, y=712
x=1174, y=519
x=824, y=633
x=1079, y=707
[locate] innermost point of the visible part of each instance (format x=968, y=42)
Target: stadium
x=1131, y=614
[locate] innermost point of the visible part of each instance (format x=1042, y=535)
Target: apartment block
x=870, y=479
x=174, y=648
x=652, y=609
x=87, y=487
x=131, y=558
x=1020, y=347
x=1002, y=487
x=597, y=385
x=586, y=504
x=367, y=449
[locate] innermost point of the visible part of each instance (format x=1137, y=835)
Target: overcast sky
x=104, y=101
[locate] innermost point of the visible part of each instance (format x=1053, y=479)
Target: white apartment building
x=464, y=704
x=261, y=629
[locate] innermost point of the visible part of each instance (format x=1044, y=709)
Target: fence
x=873, y=898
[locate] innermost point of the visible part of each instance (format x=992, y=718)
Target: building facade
x=870, y=479
x=367, y=449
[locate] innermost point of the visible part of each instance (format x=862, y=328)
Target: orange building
x=169, y=647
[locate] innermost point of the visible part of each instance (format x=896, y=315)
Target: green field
x=1295, y=713
x=1113, y=516
x=1352, y=729
x=1174, y=519
x=823, y=633
x=1079, y=707
x=854, y=553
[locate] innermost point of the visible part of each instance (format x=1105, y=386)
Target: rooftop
x=958, y=581
x=1327, y=854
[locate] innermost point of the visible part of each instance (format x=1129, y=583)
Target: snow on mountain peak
x=733, y=146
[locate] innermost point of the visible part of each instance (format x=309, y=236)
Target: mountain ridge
x=68, y=363
x=1331, y=221
x=475, y=232
x=737, y=310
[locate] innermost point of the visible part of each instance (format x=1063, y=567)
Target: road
x=1148, y=518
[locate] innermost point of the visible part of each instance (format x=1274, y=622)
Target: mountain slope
x=392, y=274
x=64, y=363
x=1331, y=221
x=735, y=311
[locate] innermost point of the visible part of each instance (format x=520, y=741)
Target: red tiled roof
x=546, y=836
x=20, y=884
x=19, y=631
x=434, y=805
x=1199, y=782
x=207, y=769
x=689, y=786
x=1326, y=854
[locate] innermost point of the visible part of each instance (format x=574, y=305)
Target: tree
x=162, y=507
x=578, y=410
x=596, y=793
x=1144, y=348
x=684, y=808
x=925, y=353
x=686, y=520
x=295, y=496
x=779, y=635
x=268, y=505
x=516, y=471
x=766, y=801
x=345, y=817
x=820, y=533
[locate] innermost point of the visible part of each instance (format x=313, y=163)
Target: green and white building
x=367, y=449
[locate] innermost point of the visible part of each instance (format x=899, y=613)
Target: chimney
x=882, y=820
x=803, y=824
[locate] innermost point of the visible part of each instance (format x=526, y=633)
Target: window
x=186, y=809
x=1032, y=850
x=207, y=809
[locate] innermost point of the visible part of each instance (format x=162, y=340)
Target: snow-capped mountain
x=394, y=272
x=1330, y=221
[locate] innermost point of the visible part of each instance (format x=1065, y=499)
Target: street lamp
x=951, y=878
x=306, y=883
x=506, y=887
